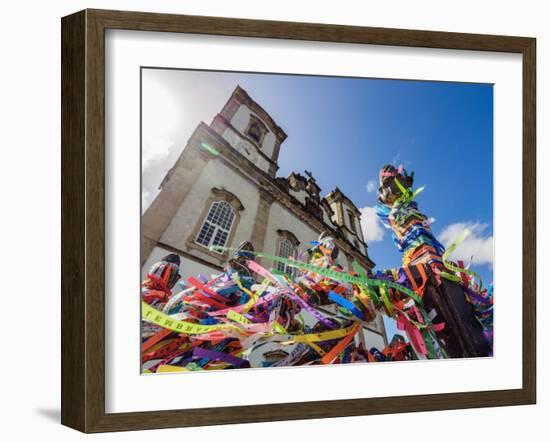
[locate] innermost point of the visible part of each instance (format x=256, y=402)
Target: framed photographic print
x=266, y=221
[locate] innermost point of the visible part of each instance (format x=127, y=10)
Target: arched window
x=286, y=250
x=217, y=225
x=287, y=247
x=255, y=132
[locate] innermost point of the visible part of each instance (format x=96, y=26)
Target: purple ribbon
x=326, y=321
x=219, y=356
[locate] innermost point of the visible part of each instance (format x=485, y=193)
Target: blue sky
x=344, y=130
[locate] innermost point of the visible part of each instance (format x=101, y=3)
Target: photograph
x=293, y=220
x=265, y=220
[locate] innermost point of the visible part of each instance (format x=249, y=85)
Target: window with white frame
x=217, y=225
x=286, y=250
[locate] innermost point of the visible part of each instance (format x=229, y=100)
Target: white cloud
x=155, y=150
x=173, y=104
x=371, y=186
x=373, y=230
x=477, y=246
x=160, y=120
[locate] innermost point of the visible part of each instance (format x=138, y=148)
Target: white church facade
x=224, y=189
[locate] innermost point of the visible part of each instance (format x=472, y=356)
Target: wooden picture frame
x=83, y=220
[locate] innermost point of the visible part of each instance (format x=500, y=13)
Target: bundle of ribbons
x=412, y=235
x=263, y=318
x=251, y=315
x=411, y=232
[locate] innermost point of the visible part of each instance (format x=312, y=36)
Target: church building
x=224, y=189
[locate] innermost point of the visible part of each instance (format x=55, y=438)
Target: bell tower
x=347, y=216
x=250, y=130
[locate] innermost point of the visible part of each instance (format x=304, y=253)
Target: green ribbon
x=455, y=268
x=406, y=196
x=332, y=274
